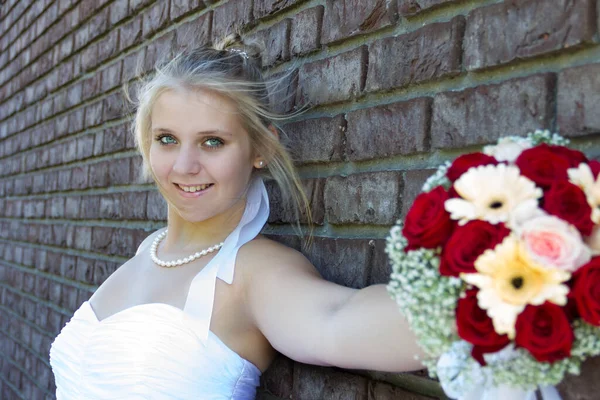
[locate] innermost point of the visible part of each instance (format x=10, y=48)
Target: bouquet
x=497, y=268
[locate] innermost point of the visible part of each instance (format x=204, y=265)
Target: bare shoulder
x=264, y=257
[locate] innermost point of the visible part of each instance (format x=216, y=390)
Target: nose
x=187, y=162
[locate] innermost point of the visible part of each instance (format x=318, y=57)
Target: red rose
x=574, y=157
x=467, y=243
x=595, y=167
x=464, y=162
x=428, y=224
x=477, y=328
x=568, y=202
x=545, y=164
x=545, y=332
x=586, y=291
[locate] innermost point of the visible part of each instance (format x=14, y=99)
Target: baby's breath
x=544, y=136
x=438, y=178
x=428, y=300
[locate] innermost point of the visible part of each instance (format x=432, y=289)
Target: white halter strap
x=199, y=303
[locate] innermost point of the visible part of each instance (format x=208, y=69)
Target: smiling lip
x=199, y=193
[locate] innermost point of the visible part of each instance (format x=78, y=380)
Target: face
x=200, y=154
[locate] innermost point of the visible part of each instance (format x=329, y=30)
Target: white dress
x=156, y=350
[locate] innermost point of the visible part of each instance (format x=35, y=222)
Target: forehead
x=197, y=110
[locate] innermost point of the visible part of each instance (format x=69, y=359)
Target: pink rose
x=552, y=242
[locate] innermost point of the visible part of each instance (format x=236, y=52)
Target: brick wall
x=397, y=87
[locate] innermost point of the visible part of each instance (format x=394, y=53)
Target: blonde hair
x=231, y=69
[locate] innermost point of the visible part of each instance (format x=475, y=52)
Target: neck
x=188, y=237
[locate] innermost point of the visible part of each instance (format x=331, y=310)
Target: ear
x=259, y=162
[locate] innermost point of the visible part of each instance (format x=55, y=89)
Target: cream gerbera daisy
x=491, y=193
x=583, y=177
x=508, y=280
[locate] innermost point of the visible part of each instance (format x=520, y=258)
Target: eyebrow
x=203, y=133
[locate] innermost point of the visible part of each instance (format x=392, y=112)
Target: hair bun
x=233, y=43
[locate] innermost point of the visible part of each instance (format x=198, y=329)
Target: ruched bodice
x=156, y=350
x=149, y=351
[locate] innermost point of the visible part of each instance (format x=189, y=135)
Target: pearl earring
x=261, y=163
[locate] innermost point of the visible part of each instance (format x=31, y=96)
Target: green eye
x=214, y=142
x=166, y=139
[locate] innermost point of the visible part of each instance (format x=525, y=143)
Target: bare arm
x=318, y=322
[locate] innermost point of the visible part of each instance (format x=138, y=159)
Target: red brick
x=526, y=28
x=342, y=261
x=367, y=198
x=388, y=130
x=182, y=7
x=74, y=93
x=263, y=8
x=102, y=270
x=76, y=120
x=386, y=391
x=230, y=17
x=98, y=175
x=132, y=63
x=107, y=47
x=93, y=114
x=54, y=289
x=155, y=18
x=114, y=106
x=278, y=379
x=584, y=386
x=110, y=206
x=114, y=139
x=159, y=51
x=130, y=33
x=282, y=210
x=91, y=86
x=156, y=206
x=578, y=100
x=413, y=182
x=119, y=171
x=412, y=7
x=275, y=41
x=98, y=24
x=282, y=89
x=429, y=53
x=135, y=5
x=316, y=140
x=69, y=151
x=306, y=29
x=85, y=147
x=334, y=79
x=69, y=298
x=133, y=205
x=312, y=382
x=72, y=207
x=118, y=11
x=195, y=32
x=518, y=106
x=83, y=238
x=84, y=271
x=79, y=177
x=347, y=18
x=90, y=206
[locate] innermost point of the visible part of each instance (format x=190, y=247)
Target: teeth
x=193, y=189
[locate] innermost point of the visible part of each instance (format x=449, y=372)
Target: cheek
x=159, y=162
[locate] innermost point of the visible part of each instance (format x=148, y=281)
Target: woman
x=163, y=326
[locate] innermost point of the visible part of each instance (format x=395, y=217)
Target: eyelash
x=160, y=137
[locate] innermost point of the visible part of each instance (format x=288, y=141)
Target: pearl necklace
x=181, y=261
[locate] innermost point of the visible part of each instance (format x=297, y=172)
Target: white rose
x=554, y=243
x=508, y=148
x=593, y=241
